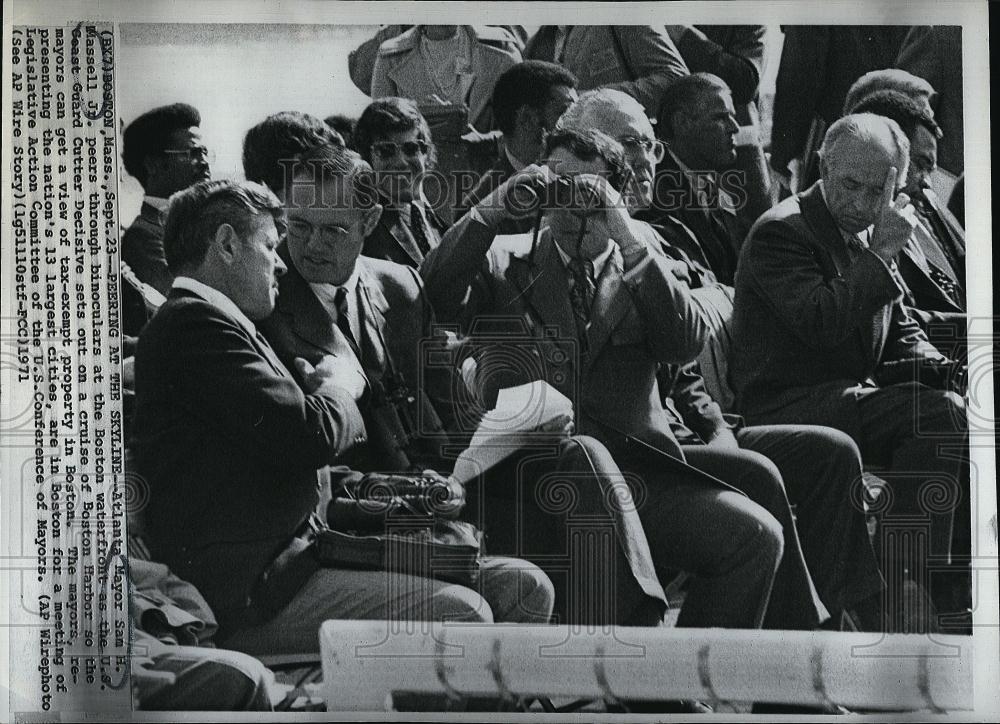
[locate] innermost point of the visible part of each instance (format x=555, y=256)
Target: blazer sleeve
x=143, y=252
x=783, y=267
x=653, y=62
x=452, y=271
x=676, y=329
x=697, y=408
x=232, y=386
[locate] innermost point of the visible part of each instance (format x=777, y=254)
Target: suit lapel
x=310, y=321
x=372, y=306
x=871, y=336
x=544, y=285
x=403, y=237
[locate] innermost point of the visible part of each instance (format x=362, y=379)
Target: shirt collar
x=599, y=261
x=217, y=299
x=323, y=289
x=157, y=202
x=700, y=182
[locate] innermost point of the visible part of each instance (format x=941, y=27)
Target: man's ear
x=227, y=243
x=370, y=219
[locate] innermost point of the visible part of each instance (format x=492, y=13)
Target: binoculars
x=559, y=193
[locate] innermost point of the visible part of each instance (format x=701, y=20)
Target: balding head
x=602, y=109
x=856, y=161
x=870, y=135
x=624, y=119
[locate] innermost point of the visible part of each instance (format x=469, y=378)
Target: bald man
x=821, y=337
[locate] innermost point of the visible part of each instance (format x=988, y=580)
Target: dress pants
x=918, y=438
x=818, y=469
x=565, y=506
x=196, y=678
x=509, y=590
x=730, y=544
x=917, y=434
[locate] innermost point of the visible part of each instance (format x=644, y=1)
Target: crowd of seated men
x=751, y=379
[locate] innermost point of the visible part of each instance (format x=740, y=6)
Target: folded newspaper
x=516, y=420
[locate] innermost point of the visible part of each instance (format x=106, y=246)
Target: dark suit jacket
x=516, y=297
x=819, y=63
x=934, y=53
x=393, y=241
x=228, y=445
x=142, y=249
x=500, y=171
x=719, y=234
x=396, y=337
x=813, y=317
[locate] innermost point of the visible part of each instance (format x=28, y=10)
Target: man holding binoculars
x=621, y=309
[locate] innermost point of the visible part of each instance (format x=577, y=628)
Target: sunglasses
x=388, y=149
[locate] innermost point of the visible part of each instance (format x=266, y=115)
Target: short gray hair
x=594, y=104
x=871, y=128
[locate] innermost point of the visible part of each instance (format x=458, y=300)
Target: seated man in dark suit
x=695, y=183
x=822, y=337
x=163, y=150
x=819, y=467
x=605, y=308
x=395, y=139
x=933, y=261
x=374, y=313
x=527, y=101
x=230, y=445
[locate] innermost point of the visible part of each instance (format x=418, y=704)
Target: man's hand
x=331, y=372
x=560, y=427
x=515, y=198
x=895, y=221
x=723, y=439
x=612, y=216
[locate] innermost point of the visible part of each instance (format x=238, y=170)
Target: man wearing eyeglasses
x=394, y=138
x=373, y=315
x=818, y=467
x=164, y=151
x=607, y=308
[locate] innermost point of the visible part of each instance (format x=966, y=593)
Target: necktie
x=344, y=319
x=417, y=229
x=581, y=295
